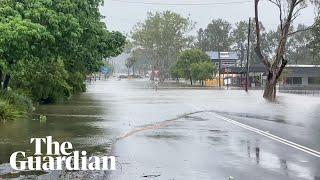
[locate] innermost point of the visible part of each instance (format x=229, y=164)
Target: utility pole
x=227, y=77
x=248, y=55
x=219, y=68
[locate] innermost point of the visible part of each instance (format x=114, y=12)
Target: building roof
x=223, y=55
x=303, y=66
x=303, y=70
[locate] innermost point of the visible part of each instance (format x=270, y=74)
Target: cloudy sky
x=122, y=15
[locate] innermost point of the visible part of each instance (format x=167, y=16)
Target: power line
x=183, y=4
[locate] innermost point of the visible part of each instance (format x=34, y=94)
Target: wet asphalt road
x=179, y=133
x=175, y=134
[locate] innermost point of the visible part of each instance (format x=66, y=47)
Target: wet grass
x=14, y=106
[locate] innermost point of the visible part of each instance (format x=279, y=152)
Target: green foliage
x=14, y=106
x=8, y=112
x=21, y=102
x=139, y=59
x=176, y=72
x=217, y=36
x=131, y=61
x=75, y=81
x=315, y=42
x=202, y=71
x=162, y=36
x=46, y=81
x=186, y=58
x=47, y=48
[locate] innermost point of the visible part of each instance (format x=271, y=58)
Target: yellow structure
x=214, y=82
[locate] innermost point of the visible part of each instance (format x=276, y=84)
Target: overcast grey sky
x=122, y=16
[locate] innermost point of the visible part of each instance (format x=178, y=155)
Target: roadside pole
x=248, y=55
x=219, y=68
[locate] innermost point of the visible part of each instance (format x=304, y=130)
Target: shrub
x=8, y=112
x=14, y=106
x=20, y=101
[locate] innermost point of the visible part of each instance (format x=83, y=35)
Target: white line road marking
x=268, y=135
x=271, y=136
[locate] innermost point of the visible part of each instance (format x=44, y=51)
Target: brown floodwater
x=92, y=121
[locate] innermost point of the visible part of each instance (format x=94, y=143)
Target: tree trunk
x=6, y=81
x=270, y=90
x=191, y=81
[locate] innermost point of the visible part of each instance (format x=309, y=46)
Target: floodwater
x=173, y=133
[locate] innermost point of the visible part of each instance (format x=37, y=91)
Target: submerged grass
x=14, y=106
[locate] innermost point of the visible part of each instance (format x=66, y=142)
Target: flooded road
x=177, y=133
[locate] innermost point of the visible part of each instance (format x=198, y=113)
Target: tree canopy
x=62, y=39
x=217, y=36
x=163, y=35
x=182, y=68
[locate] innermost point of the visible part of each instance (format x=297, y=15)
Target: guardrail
x=300, y=89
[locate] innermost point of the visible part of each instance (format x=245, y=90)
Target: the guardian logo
x=59, y=157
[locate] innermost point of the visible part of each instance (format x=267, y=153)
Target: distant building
x=227, y=59
x=293, y=77
x=301, y=76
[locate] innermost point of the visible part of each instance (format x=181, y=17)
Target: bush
x=76, y=80
x=42, y=83
x=20, y=101
x=8, y=112
x=202, y=71
x=14, y=106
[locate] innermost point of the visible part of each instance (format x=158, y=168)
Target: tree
x=176, y=72
x=289, y=9
x=217, y=36
x=64, y=35
x=163, y=35
x=185, y=59
x=202, y=71
x=44, y=82
x=300, y=48
x=315, y=40
x=19, y=39
x=130, y=63
x=240, y=36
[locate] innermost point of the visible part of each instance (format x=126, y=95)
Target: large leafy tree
x=216, y=37
x=65, y=34
x=19, y=39
x=300, y=49
x=186, y=58
x=162, y=35
x=202, y=71
x=315, y=41
x=139, y=60
x=240, y=36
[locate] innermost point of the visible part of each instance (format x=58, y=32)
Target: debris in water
x=151, y=176
x=43, y=119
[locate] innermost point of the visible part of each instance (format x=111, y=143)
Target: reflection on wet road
x=173, y=134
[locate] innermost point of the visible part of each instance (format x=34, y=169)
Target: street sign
x=105, y=70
